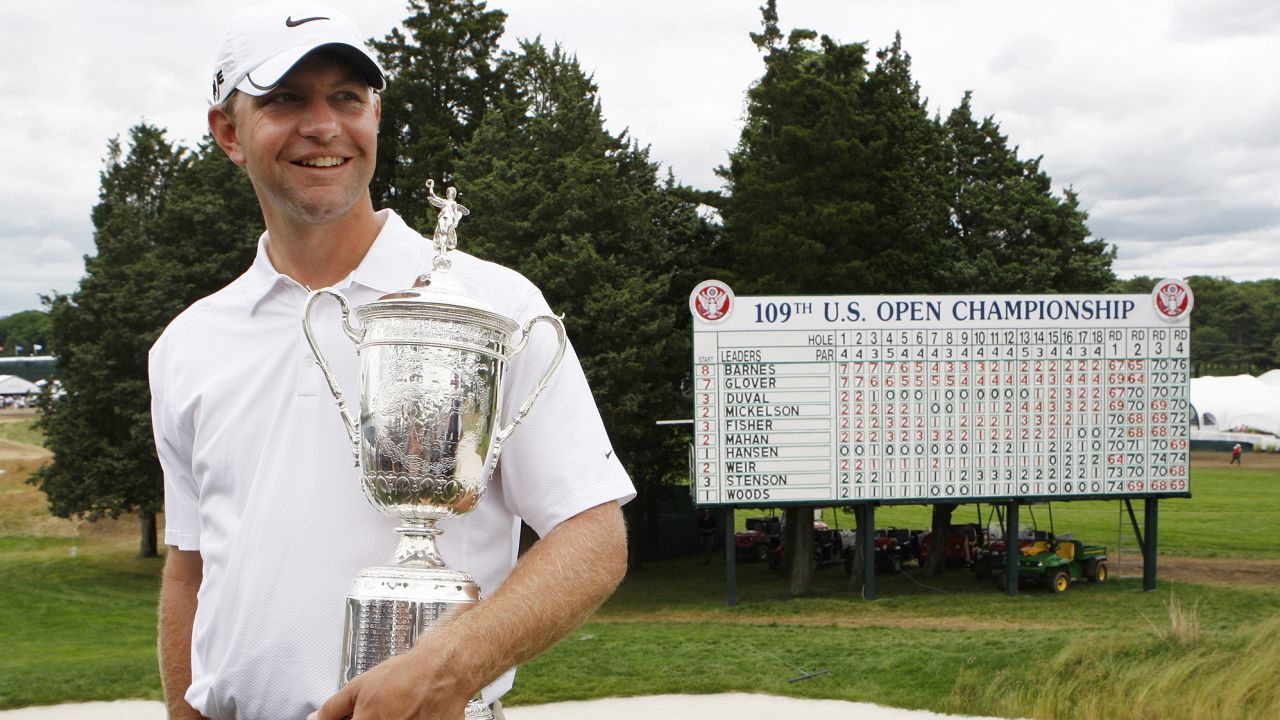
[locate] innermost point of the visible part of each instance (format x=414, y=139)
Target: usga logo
x=1173, y=299
x=711, y=301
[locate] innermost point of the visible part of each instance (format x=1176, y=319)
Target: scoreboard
x=891, y=399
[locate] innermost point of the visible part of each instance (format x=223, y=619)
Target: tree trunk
x=938, y=538
x=799, y=548
x=147, y=535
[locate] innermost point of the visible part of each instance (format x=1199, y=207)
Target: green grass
x=78, y=628
x=83, y=629
x=889, y=666
x=685, y=588
x=21, y=430
x=667, y=630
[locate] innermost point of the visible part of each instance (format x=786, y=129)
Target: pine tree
x=170, y=227
x=442, y=72
x=580, y=212
x=1009, y=233
x=100, y=432
x=835, y=182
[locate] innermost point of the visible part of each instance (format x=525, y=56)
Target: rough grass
x=1223, y=675
x=20, y=428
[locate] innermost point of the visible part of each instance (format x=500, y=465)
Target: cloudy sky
x=1164, y=116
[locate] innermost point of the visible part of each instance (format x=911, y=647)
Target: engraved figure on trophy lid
x=445, y=237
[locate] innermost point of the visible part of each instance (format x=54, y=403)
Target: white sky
x=1164, y=116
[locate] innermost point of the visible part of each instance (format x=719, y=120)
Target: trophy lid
x=438, y=287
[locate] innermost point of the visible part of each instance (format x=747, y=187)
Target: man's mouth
x=322, y=162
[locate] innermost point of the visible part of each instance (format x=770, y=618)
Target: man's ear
x=224, y=133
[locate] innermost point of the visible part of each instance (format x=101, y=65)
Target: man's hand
x=405, y=687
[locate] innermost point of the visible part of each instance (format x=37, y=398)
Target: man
x=265, y=520
x=1235, y=455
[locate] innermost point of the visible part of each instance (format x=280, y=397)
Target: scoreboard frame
x=785, y=360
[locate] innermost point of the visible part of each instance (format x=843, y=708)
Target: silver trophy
x=427, y=441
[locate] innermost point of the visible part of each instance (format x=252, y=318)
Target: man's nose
x=319, y=121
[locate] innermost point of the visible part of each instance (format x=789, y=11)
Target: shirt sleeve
x=173, y=447
x=559, y=461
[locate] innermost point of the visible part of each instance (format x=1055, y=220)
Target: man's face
x=309, y=145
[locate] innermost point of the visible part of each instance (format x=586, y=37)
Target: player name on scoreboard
x=900, y=399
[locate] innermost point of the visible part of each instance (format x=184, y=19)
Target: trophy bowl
x=428, y=405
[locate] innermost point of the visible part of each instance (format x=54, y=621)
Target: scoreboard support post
x=1151, y=512
x=730, y=557
x=1011, y=555
x=867, y=528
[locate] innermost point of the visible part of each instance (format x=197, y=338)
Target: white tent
x=14, y=385
x=1227, y=403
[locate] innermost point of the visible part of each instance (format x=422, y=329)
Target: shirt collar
x=390, y=264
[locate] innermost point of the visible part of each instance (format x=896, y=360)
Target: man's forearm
x=177, y=610
x=558, y=584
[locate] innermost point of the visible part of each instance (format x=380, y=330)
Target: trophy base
x=391, y=607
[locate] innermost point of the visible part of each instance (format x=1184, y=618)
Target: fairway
x=82, y=627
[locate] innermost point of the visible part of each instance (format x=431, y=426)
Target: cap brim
x=264, y=78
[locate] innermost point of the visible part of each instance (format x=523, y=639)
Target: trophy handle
x=356, y=336
x=503, y=433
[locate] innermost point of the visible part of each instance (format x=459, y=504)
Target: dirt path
x=828, y=620
x=19, y=452
x=1222, y=571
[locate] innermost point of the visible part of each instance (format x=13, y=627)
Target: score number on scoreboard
x=939, y=398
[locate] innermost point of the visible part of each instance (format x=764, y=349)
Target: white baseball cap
x=264, y=42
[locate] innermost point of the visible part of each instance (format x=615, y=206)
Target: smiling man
x=265, y=520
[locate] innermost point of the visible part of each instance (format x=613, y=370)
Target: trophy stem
x=417, y=546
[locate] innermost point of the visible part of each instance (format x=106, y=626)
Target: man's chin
x=322, y=210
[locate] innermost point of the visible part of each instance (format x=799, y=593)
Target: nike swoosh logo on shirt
x=290, y=22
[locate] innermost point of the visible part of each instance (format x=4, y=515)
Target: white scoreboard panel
x=830, y=400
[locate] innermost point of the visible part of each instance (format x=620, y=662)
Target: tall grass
x=1184, y=623
x=1225, y=675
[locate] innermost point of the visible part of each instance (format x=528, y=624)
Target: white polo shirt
x=259, y=476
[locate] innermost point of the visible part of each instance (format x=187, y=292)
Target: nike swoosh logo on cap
x=290, y=22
